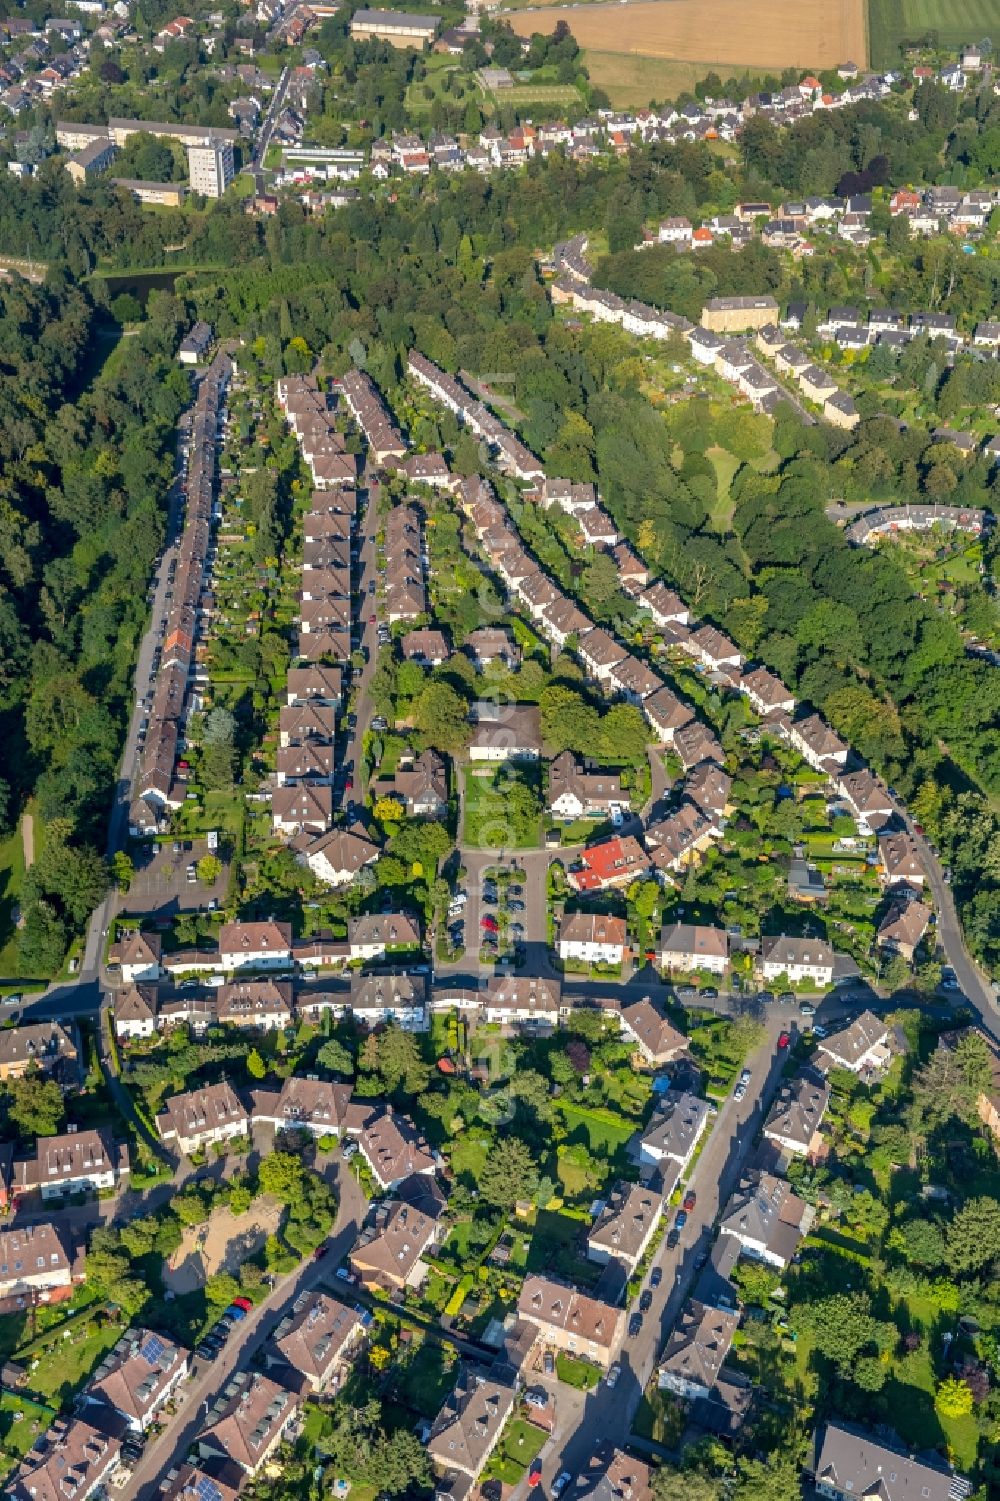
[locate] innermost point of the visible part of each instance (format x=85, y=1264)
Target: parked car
x=321, y=1251
x=680, y=1219
x=634, y=1325
x=245, y=1303
x=645, y=1300
x=535, y=1472
x=685, y=992
x=516, y=906
x=787, y=996
x=536, y=1396
x=746, y=1076
x=784, y=1040
x=561, y=1481
x=740, y=1092
x=673, y=1238
x=613, y=1374
x=806, y=1009
x=690, y=1200
x=819, y=1032
x=656, y=1276
x=709, y=993
x=549, y=1363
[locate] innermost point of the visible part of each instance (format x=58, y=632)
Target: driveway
x=210, y=1378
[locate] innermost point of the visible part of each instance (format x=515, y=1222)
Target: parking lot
x=161, y=886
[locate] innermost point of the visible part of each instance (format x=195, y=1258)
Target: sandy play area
x=221, y=1245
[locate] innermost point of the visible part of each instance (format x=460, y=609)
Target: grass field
x=955, y=22
x=771, y=34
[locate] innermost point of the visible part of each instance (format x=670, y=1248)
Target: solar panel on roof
x=152, y=1348
x=207, y=1490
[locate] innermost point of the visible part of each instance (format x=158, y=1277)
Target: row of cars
x=214, y=1341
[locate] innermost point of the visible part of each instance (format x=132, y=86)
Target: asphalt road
x=583, y=1418
x=211, y=1377
x=267, y=128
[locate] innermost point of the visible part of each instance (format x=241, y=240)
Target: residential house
x=420, y=784
x=429, y=648
x=203, y=1117
x=899, y=862
x=869, y=799
x=633, y=680
x=266, y=1004
x=570, y=1320
x=766, y=1218
x=336, y=857
x=251, y=1422
x=766, y=692
x=77, y=1162
x=797, y=958
x=673, y=1133
x=600, y=652
x=691, y=946
x=625, y=1225
x=389, y=1252
x=470, y=1423
x=696, y=1349
x=712, y=648
x=394, y=1149
x=389, y=996
x=708, y=787
x=49, y=1047
x=666, y=714
x=795, y=1118
x=592, y=938
x=853, y=1465
x=318, y=1338
x=255, y=946
x=575, y=793
x=613, y=1475
x=676, y=841
x=695, y=743
x=609, y=865
x=138, y=1377
x=36, y=1266
x=902, y=928
x=522, y=1001
x=136, y=956
x=304, y=1104
x=817, y=744
x=375, y=934
x=71, y=1458
x=864, y=1048
x=302, y=808
x=505, y=732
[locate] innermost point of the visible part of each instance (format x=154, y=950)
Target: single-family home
x=852, y=1464
x=899, y=862
x=610, y=864
x=318, y=1338
x=902, y=928
x=77, y=1162
x=306, y=1104
x=255, y=945
x=797, y=958
x=138, y=1377
x=394, y=1149
x=864, y=1048
x=576, y=793
x=250, y=1423
x=505, y=732
x=266, y=1004
x=375, y=934
x=419, y=784
x=70, y=1450
x=696, y=1349
x=389, y=1252
x=673, y=1133
x=336, y=857
x=469, y=1425
x=36, y=1265
x=203, y=1117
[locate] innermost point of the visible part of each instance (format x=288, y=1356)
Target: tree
x=843, y=1327
x=256, y=1067
x=221, y=1288
x=36, y=1105
x=122, y=870
x=441, y=715
x=334, y=1056
x=669, y=1484
x=400, y=1065
x=281, y=1174
x=209, y=869
x=953, y=1398
x=922, y=1243
x=973, y=1237
x=773, y=1479
x=508, y=1174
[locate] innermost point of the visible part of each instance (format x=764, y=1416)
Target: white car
x=613, y=1374
x=740, y=1092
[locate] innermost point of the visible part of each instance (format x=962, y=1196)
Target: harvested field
x=631, y=81
x=221, y=1245
x=765, y=34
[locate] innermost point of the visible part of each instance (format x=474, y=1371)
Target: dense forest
x=84, y=471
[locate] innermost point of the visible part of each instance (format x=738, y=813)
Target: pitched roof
x=394, y=1148
x=466, y=1428
x=137, y=1372
x=850, y=1460
x=850, y=1045
x=625, y=1222
x=312, y=1338
x=545, y=1301
x=699, y=1343
x=249, y=1422
x=798, y=1111
x=765, y=1211
x=694, y=938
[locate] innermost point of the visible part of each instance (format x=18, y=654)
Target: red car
x=243, y=1303
x=784, y=1040
x=690, y=1200
x=320, y=1251
x=535, y=1472
x=371, y=620
x=490, y=924
x=349, y=785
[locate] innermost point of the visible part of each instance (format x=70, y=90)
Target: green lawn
x=578, y=1373
x=468, y=1157
x=487, y=822
x=522, y=1441
x=21, y=1421
x=604, y=1132
x=11, y=880
x=65, y=1365
x=891, y=22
